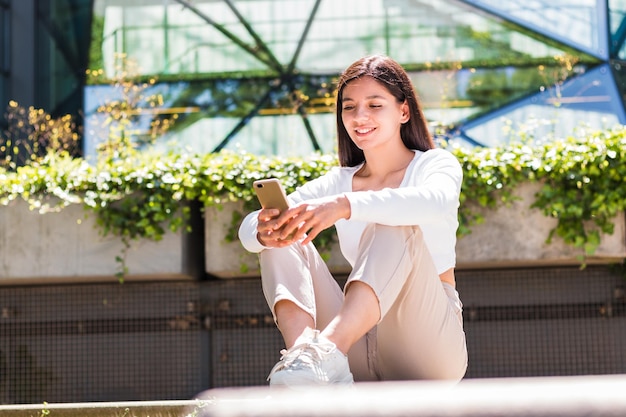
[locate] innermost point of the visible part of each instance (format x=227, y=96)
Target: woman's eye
x=347, y=108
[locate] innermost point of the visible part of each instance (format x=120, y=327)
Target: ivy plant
x=582, y=177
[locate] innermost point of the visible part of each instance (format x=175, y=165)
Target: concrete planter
x=67, y=246
x=510, y=237
x=515, y=236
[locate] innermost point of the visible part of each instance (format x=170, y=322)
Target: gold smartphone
x=271, y=194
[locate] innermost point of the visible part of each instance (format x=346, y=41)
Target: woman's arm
x=433, y=187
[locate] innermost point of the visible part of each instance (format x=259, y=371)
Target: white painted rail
x=589, y=396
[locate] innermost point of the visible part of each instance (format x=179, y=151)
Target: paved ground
x=104, y=409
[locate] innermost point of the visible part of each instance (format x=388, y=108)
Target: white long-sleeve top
x=428, y=197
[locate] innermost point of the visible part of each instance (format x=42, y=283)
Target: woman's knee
x=389, y=238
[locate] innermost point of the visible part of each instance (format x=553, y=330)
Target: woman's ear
x=405, y=115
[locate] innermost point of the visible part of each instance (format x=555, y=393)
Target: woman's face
x=370, y=114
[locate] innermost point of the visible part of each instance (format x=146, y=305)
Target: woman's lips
x=362, y=131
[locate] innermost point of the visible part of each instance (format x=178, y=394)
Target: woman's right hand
x=301, y=222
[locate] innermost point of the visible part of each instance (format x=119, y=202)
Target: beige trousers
x=420, y=334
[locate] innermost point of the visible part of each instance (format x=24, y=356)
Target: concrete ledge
x=511, y=237
x=515, y=236
x=67, y=246
x=121, y=409
x=519, y=397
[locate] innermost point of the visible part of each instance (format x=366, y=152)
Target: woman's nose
x=362, y=113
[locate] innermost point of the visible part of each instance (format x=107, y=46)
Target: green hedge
x=583, y=177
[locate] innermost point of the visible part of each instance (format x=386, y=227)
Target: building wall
x=5, y=50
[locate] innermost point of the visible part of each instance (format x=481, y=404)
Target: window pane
x=413, y=32
x=167, y=38
x=585, y=101
x=574, y=22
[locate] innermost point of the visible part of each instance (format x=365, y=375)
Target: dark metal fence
x=172, y=340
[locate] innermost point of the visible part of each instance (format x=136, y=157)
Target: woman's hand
x=303, y=221
x=268, y=229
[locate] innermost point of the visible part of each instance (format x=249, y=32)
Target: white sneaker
x=313, y=360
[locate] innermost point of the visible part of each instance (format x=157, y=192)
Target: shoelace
x=303, y=354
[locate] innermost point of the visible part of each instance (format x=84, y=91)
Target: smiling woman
x=394, y=203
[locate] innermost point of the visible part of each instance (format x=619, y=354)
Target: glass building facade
x=259, y=75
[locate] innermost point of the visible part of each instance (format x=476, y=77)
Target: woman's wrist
x=346, y=209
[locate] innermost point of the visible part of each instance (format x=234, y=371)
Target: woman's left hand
x=307, y=219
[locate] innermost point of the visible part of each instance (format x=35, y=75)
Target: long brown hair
x=414, y=133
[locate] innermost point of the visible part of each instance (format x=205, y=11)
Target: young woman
x=394, y=202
